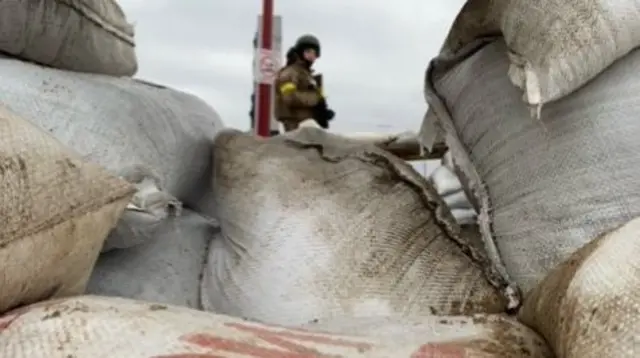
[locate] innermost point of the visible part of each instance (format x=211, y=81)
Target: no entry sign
x=268, y=65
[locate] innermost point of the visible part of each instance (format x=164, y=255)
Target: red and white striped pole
x=267, y=65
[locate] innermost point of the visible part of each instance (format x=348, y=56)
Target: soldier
x=298, y=96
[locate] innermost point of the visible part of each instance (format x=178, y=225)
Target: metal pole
x=265, y=87
x=276, y=48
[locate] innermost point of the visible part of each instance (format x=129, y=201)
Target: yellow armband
x=288, y=88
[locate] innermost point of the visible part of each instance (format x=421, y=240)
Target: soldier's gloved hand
x=329, y=114
x=322, y=122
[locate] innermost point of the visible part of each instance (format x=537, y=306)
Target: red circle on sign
x=267, y=66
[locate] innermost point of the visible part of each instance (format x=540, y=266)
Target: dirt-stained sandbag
x=155, y=137
x=589, y=306
x=91, y=326
x=166, y=269
x=77, y=35
x=542, y=188
x=314, y=225
x=479, y=335
x=554, y=46
x=56, y=211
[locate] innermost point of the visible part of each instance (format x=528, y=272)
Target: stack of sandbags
x=56, y=213
x=543, y=185
x=158, y=139
x=70, y=74
x=89, y=326
x=316, y=225
x=589, y=306
x=76, y=35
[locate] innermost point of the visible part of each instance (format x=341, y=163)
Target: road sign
x=268, y=65
x=264, y=112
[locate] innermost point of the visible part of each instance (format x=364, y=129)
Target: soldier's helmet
x=308, y=41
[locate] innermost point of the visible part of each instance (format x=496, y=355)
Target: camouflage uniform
x=297, y=93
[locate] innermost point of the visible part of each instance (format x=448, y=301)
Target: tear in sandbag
x=316, y=225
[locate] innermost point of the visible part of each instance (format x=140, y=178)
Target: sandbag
x=316, y=225
x=445, y=181
x=89, y=326
x=167, y=269
x=145, y=214
x=155, y=137
x=77, y=35
x=447, y=185
x=554, y=46
x=450, y=189
x=545, y=188
x=480, y=335
x=56, y=211
x=589, y=306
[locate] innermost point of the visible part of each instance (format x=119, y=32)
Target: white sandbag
x=91, y=326
x=457, y=200
x=445, y=181
x=167, y=269
x=158, y=138
x=465, y=216
x=78, y=35
x=589, y=306
x=554, y=46
x=56, y=212
x=544, y=188
x=316, y=225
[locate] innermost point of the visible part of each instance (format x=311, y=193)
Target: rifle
x=321, y=112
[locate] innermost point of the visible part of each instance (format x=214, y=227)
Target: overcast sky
x=373, y=53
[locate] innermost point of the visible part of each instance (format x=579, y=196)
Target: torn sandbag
x=543, y=189
x=316, y=225
x=404, y=145
x=447, y=185
x=554, y=47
